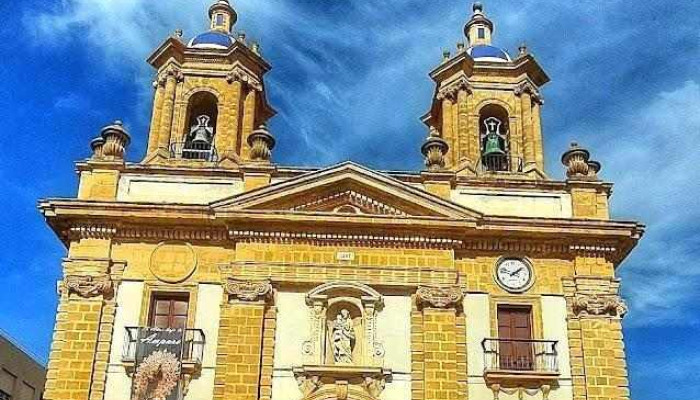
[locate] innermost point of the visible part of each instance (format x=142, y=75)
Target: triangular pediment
x=347, y=188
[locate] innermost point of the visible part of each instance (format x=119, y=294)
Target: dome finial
x=222, y=16
x=478, y=29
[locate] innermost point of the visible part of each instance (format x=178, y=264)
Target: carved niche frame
x=335, y=296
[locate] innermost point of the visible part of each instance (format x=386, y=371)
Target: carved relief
x=239, y=74
x=343, y=335
x=527, y=87
x=451, y=90
x=599, y=305
x=173, y=262
x=439, y=296
x=248, y=290
x=89, y=285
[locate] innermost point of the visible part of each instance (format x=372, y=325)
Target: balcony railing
x=500, y=163
x=520, y=355
x=193, y=151
x=192, y=346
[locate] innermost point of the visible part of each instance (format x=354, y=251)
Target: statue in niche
x=343, y=337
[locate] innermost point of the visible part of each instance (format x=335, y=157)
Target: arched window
x=494, y=138
x=202, y=114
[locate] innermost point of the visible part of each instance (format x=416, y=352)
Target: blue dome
x=488, y=53
x=211, y=40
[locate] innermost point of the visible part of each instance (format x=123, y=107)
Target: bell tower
x=209, y=96
x=486, y=106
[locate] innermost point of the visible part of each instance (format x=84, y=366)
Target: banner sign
x=158, y=364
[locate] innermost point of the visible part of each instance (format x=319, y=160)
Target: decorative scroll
x=599, y=305
x=341, y=382
x=89, y=285
x=238, y=74
x=450, y=90
x=497, y=389
x=248, y=290
x=527, y=87
x=439, y=296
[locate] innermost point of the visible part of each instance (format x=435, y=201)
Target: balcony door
x=515, y=338
x=169, y=311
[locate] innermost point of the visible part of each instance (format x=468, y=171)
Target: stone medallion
x=173, y=262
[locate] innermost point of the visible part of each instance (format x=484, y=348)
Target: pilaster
x=228, y=141
x=159, y=86
x=241, y=345
x=249, y=106
x=173, y=75
x=440, y=339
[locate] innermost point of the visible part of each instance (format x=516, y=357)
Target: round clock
x=514, y=274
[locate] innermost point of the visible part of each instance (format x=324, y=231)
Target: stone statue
x=343, y=338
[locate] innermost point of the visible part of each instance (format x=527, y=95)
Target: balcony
x=496, y=163
x=197, y=151
x=192, y=349
x=530, y=362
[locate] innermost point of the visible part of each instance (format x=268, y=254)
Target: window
x=169, y=311
x=219, y=20
x=515, y=338
x=481, y=33
x=7, y=383
x=26, y=392
x=4, y=395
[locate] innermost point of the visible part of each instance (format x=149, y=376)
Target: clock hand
x=517, y=271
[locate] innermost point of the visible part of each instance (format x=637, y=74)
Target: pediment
x=346, y=189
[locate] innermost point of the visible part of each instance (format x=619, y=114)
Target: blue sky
x=350, y=80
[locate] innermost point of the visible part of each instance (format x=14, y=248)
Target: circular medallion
x=173, y=262
x=514, y=274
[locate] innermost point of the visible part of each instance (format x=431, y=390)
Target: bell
x=493, y=146
x=202, y=133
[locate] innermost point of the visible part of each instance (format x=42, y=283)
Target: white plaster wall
x=129, y=298
x=176, y=189
x=394, y=332
x=515, y=203
x=554, y=328
x=293, y=328
x=207, y=316
x=284, y=386
x=476, y=308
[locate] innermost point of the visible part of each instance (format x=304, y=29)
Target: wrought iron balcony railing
x=520, y=355
x=193, y=151
x=192, y=345
x=499, y=163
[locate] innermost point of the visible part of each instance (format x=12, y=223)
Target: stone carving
x=452, y=89
x=527, y=87
x=261, y=143
x=343, y=336
x=599, y=305
x=248, y=290
x=576, y=161
x=238, y=74
x=89, y=285
x=116, y=139
x=520, y=391
x=308, y=383
x=341, y=382
x=374, y=386
x=173, y=262
x=434, y=150
x=439, y=296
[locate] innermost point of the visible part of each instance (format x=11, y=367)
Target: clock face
x=514, y=274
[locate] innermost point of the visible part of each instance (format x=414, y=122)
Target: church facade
x=208, y=272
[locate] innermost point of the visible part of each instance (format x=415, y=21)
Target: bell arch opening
x=494, y=139
x=200, y=128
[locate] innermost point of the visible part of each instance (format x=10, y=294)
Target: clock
x=514, y=274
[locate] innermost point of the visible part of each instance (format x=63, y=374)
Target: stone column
x=440, y=337
x=159, y=86
x=241, y=334
x=227, y=140
x=249, y=109
x=465, y=140
x=598, y=365
x=537, y=133
x=447, y=129
x=81, y=342
x=166, y=119
x=526, y=127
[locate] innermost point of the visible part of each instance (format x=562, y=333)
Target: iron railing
x=192, y=346
x=499, y=163
x=520, y=355
x=193, y=151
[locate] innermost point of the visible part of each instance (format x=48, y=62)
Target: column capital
x=452, y=89
x=439, y=296
x=248, y=291
x=598, y=305
x=238, y=74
